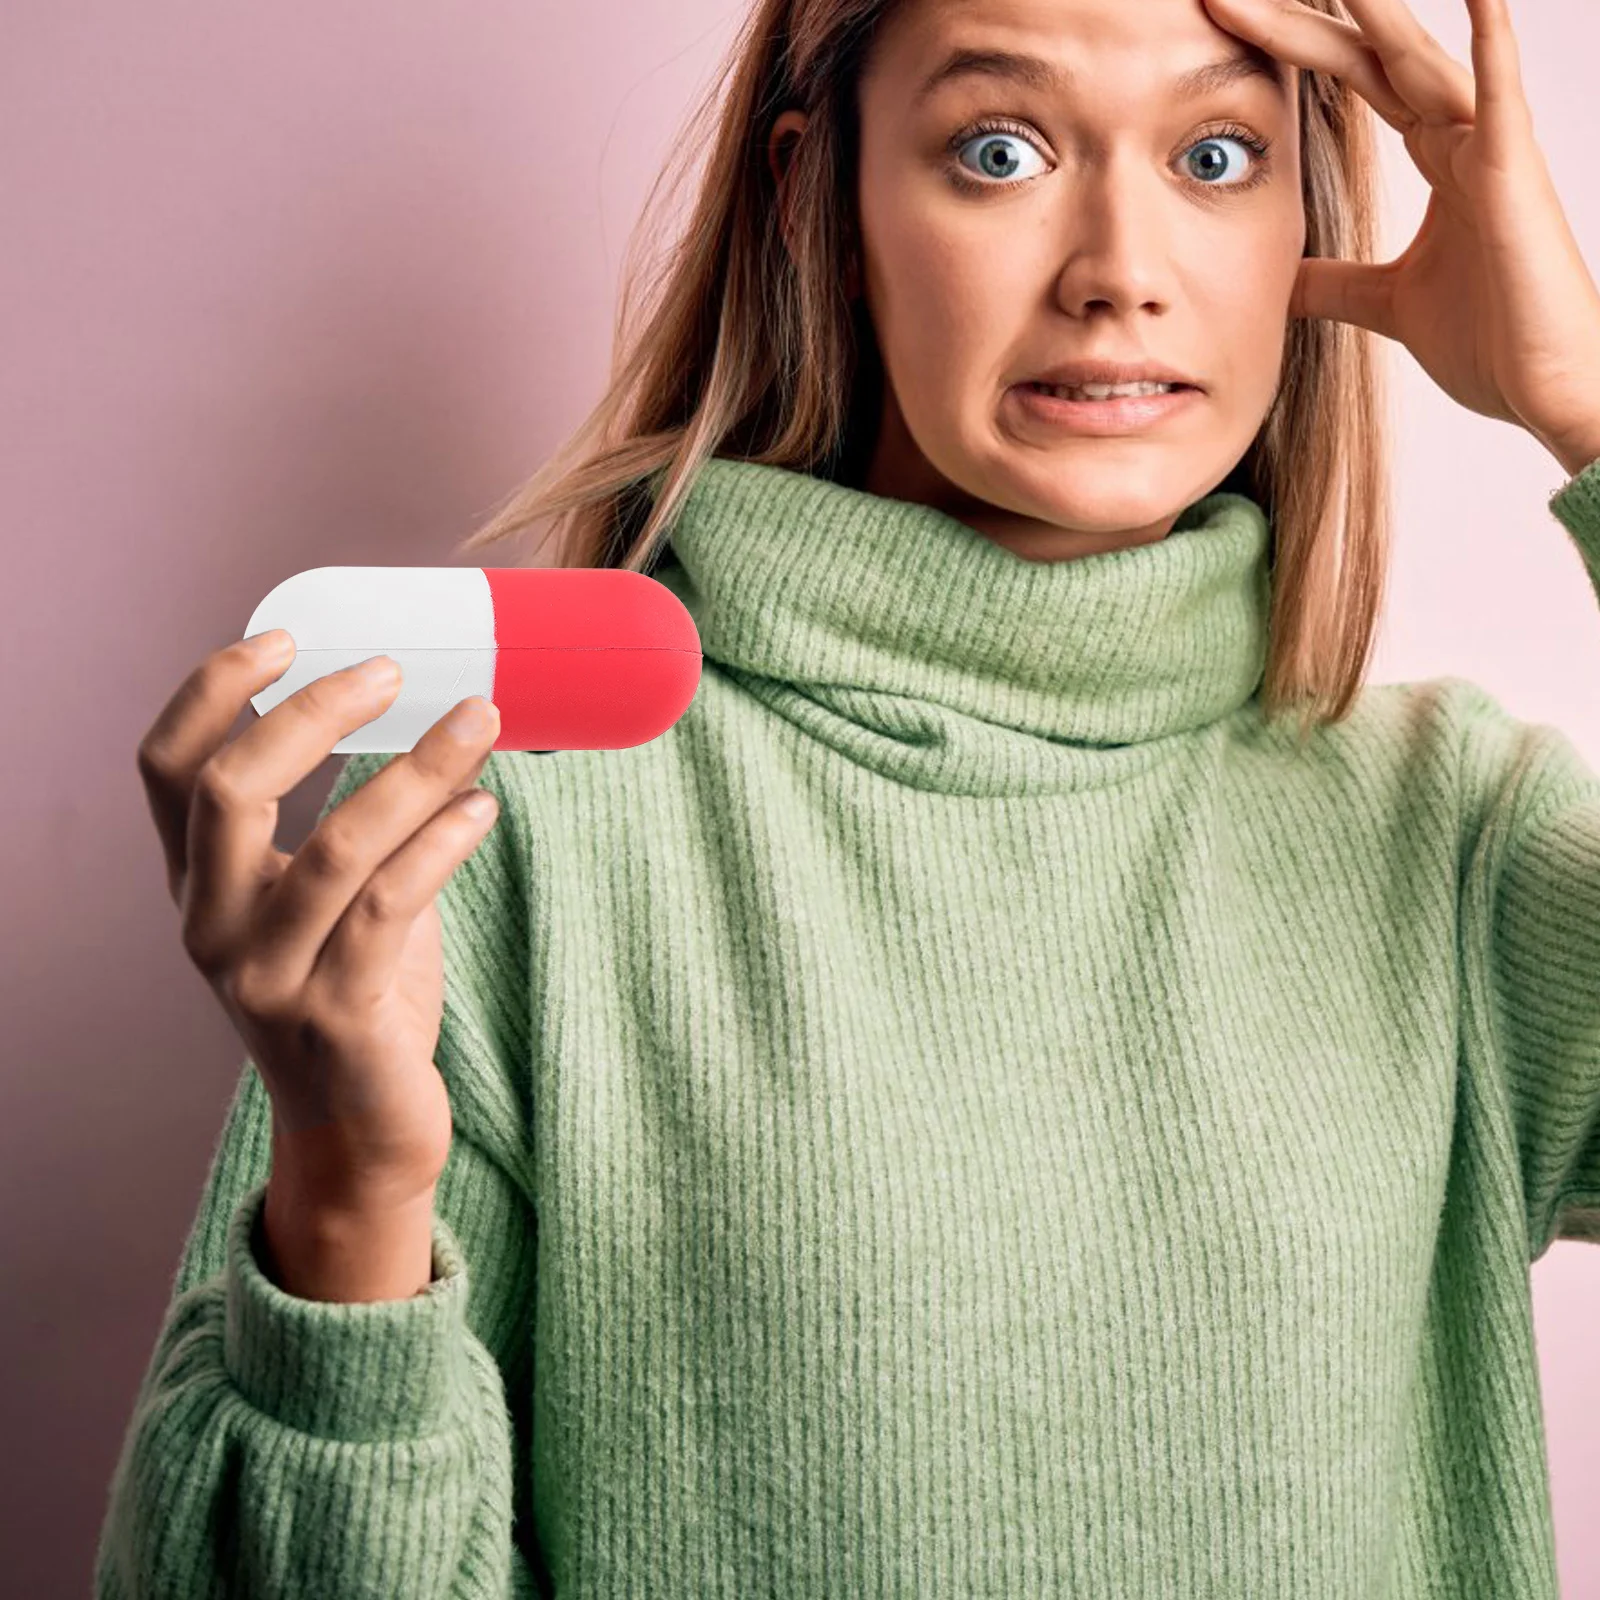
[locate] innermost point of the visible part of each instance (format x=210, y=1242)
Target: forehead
x=1068, y=48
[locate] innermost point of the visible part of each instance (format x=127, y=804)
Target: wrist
x=1576, y=449
x=320, y=1251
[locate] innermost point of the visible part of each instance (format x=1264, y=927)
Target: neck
x=898, y=469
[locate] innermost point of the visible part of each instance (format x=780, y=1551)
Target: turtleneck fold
x=861, y=602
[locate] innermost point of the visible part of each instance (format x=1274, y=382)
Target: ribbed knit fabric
x=969, y=1111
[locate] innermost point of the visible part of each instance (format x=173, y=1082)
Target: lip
x=1080, y=374
x=1122, y=414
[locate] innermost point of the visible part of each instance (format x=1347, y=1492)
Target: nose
x=1116, y=249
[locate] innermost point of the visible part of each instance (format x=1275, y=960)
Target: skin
x=1115, y=229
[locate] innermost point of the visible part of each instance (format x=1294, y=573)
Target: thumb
x=1344, y=291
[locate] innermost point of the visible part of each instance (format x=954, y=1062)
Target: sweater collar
x=905, y=637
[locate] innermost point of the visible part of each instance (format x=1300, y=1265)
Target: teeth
x=1103, y=391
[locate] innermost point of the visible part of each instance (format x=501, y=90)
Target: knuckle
x=151, y=762
x=431, y=762
x=378, y=901
x=200, y=947
x=254, y=989
x=325, y=698
x=331, y=852
x=206, y=682
x=214, y=785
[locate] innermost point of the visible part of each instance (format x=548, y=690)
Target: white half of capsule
x=436, y=623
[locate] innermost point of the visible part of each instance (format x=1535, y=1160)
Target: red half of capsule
x=588, y=658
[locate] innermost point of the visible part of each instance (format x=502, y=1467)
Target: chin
x=1090, y=499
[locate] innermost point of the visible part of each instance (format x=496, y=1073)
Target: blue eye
x=991, y=140
x=1219, y=139
x=995, y=139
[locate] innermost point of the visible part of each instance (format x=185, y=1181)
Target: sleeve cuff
x=368, y=1371
x=1577, y=505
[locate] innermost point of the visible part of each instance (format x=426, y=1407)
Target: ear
x=786, y=133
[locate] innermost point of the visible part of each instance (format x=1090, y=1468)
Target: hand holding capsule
x=328, y=962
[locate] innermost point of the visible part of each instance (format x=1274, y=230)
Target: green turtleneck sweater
x=968, y=1111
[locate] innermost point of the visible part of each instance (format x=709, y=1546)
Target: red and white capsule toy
x=574, y=658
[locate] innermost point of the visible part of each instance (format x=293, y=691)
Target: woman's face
x=1109, y=217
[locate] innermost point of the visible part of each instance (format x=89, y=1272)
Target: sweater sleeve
x=302, y=1448
x=1530, y=935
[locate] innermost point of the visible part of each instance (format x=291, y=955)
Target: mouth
x=1103, y=391
x=1081, y=411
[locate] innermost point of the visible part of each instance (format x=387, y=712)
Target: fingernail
x=378, y=670
x=471, y=718
x=270, y=645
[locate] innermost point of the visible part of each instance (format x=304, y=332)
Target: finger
x=1356, y=292
x=234, y=811
x=1429, y=77
x=1504, y=120
x=353, y=841
x=1291, y=32
x=192, y=726
x=359, y=959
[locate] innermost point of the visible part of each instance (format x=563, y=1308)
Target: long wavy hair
x=744, y=346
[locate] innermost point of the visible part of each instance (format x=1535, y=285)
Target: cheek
x=1254, y=260
x=960, y=272
x=1242, y=309
x=938, y=289
x=937, y=303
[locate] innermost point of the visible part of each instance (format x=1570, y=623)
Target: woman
x=988, y=1105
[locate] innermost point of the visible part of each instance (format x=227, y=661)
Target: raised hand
x=1492, y=297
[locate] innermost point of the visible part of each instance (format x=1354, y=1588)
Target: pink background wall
x=296, y=285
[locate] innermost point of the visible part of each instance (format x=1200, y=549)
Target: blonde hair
x=751, y=352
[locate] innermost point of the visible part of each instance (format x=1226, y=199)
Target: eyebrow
x=1036, y=73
